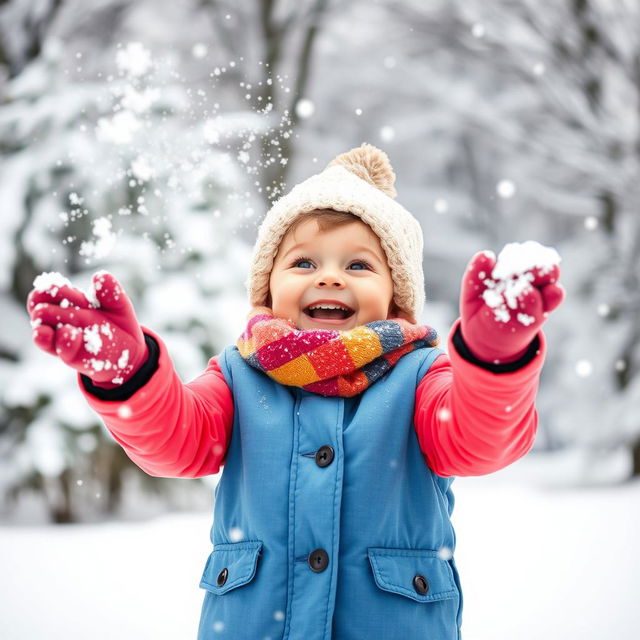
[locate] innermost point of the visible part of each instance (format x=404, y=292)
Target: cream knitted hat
x=360, y=182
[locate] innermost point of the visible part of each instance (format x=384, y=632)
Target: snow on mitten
x=97, y=334
x=503, y=304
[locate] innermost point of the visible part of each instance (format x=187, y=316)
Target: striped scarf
x=325, y=361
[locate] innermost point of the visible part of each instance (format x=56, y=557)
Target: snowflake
x=134, y=60
x=505, y=188
x=584, y=368
x=305, y=108
x=445, y=553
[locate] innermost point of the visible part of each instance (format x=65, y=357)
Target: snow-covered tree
x=130, y=157
x=510, y=122
x=148, y=139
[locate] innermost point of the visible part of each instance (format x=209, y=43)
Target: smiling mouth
x=328, y=314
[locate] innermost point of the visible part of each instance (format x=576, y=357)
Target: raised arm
x=471, y=420
x=475, y=408
x=168, y=428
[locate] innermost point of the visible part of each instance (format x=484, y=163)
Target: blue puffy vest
x=328, y=523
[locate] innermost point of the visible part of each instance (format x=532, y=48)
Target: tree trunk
x=635, y=456
x=60, y=507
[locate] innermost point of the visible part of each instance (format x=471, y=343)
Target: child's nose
x=326, y=279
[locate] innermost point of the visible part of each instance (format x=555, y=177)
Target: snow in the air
x=305, y=108
x=506, y=188
x=163, y=119
x=584, y=368
x=591, y=223
x=478, y=30
x=136, y=101
x=118, y=129
x=387, y=133
x=236, y=534
x=142, y=169
x=124, y=411
x=445, y=553
x=105, y=240
x=134, y=59
x=199, y=50
x=441, y=206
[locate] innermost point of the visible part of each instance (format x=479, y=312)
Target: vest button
x=222, y=577
x=324, y=456
x=420, y=584
x=318, y=560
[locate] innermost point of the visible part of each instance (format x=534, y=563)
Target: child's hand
x=103, y=342
x=500, y=318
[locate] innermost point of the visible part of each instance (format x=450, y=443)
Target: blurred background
x=149, y=139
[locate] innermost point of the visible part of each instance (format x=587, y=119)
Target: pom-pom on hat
x=361, y=182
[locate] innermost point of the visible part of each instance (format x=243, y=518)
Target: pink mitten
x=100, y=338
x=504, y=303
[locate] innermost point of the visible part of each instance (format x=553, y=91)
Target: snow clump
x=512, y=277
x=49, y=282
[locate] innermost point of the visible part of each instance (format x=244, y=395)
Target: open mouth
x=329, y=312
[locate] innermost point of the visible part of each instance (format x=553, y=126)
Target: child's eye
x=362, y=262
x=301, y=259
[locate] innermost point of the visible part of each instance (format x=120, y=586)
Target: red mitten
x=504, y=303
x=100, y=338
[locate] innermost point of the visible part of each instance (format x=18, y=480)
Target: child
x=339, y=421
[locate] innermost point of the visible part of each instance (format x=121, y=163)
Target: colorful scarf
x=325, y=361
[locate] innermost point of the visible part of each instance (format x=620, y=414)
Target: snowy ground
x=552, y=564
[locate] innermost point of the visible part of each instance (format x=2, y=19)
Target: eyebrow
x=358, y=249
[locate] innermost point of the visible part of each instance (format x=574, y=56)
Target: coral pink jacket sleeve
x=471, y=421
x=169, y=428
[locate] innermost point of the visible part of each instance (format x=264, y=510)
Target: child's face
x=334, y=268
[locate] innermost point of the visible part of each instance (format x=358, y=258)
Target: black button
x=318, y=560
x=222, y=577
x=324, y=456
x=421, y=584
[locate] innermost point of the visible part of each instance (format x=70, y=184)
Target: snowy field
x=535, y=564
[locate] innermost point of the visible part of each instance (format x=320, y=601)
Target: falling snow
x=124, y=411
x=134, y=59
x=583, y=368
x=236, y=534
x=118, y=129
x=441, y=206
x=445, y=553
x=591, y=223
x=105, y=242
x=505, y=188
x=142, y=169
x=305, y=108
x=387, y=133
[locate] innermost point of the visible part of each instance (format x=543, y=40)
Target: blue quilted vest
x=328, y=523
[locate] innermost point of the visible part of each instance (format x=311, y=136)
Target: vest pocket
x=418, y=574
x=230, y=565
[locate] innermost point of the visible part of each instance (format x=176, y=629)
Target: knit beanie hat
x=360, y=182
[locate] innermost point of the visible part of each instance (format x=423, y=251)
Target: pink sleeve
x=471, y=421
x=168, y=428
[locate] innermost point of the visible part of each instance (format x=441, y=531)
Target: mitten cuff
x=135, y=382
x=505, y=367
